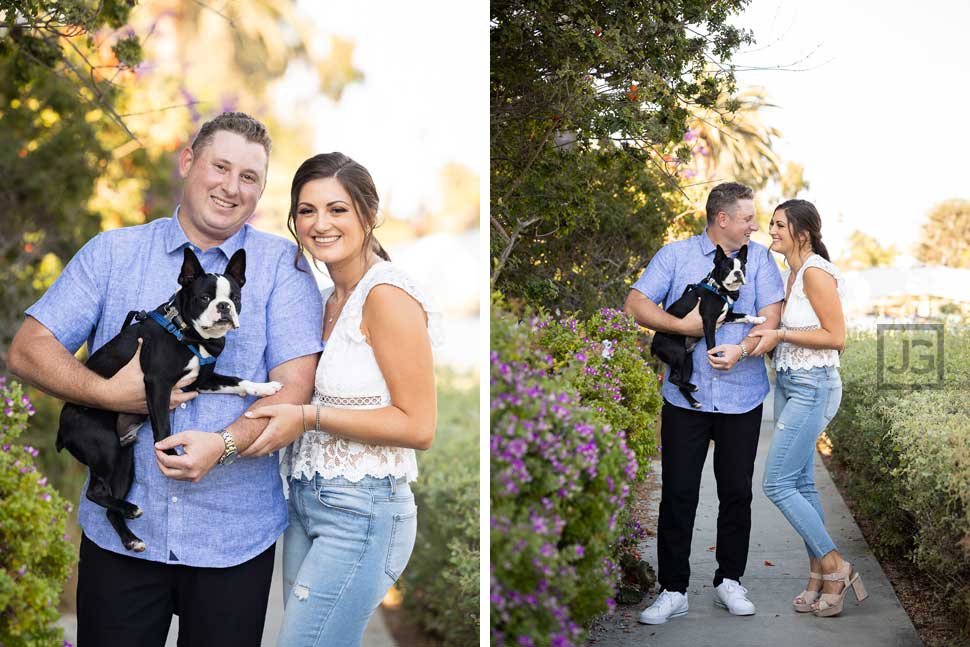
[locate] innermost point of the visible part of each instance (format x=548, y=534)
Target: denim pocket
x=403, y=532
x=356, y=501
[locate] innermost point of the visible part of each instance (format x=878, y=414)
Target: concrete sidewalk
x=376, y=634
x=880, y=621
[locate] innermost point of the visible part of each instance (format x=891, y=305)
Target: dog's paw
x=757, y=320
x=136, y=545
x=260, y=389
x=131, y=511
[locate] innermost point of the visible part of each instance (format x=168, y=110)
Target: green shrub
x=441, y=582
x=35, y=554
x=860, y=443
x=907, y=453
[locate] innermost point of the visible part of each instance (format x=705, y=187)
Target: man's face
x=736, y=228
x=223, y=183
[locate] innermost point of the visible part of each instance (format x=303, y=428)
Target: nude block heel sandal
x=803, y=603
x=830, y=604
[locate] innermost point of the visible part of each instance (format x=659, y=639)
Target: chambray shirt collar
x=175, y=238
x=707, y=245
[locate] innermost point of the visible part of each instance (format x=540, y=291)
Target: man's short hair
x=724, y=197
x=235, y=122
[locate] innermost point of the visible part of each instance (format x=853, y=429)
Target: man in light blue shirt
x=732, y=384
x=210, y=528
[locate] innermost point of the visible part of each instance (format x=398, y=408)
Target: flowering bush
x=561, y=472
x=35, y=553
x=603, y=359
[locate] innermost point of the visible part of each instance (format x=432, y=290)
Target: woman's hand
x=285, y=426
x=767, y=339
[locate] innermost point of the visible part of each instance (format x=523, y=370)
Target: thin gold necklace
x=332, y=298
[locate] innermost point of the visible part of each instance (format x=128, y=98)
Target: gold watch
x=744, y=351
x=229, y=455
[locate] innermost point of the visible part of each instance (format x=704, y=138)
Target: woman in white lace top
x=350, y=453
x=808, y=391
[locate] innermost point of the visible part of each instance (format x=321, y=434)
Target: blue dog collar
x=711, y=289
x=170, y=327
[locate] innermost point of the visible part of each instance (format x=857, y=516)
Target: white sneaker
x=669, y=604
x=733, y=597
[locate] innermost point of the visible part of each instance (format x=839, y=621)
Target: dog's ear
x=191, y=268
x=237, y=267
x=743, y=254
x=719, y=255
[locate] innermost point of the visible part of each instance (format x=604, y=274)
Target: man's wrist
x=230, y=451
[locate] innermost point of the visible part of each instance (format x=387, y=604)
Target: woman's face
x=327, y=222
x=781, y=236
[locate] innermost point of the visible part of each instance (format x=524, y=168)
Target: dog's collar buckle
x=172, y=315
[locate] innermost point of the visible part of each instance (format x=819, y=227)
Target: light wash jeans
x=806, y=400
x=346, y=544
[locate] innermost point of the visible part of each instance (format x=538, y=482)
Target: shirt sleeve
x=72, y=306
x=770, y=288
x=294, y=315
x=658, y=276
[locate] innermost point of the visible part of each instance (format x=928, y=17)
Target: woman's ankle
x=831, y=562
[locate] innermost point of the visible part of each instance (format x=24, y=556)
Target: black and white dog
x=181, y=338
x=717, y=293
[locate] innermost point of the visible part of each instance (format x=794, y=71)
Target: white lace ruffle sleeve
x=348, y=377
x=799, y=315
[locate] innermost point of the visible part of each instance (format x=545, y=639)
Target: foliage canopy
x=943, y=240
x=589, y=105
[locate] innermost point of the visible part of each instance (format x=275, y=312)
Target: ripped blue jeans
x=346, y=544
x=806, y=400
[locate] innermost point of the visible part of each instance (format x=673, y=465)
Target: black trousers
x=126, y=602
x=685, y=436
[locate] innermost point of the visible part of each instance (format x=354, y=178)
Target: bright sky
x=422, y=104
x=423, y=97
x=877, y=116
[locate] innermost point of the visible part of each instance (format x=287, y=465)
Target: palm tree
x=733, y=143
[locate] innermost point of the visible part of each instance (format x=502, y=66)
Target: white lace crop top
x=799, y=315
x=348, y=377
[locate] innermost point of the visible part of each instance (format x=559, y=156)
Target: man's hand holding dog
x=125, y=390
x=692, y=325
x=724, y=356
x=201, y=451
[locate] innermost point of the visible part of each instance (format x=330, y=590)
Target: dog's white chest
x=192, y=368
